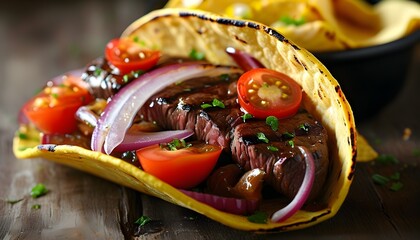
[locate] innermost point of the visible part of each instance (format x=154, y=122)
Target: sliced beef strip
x=178, y=107
x=285, y=168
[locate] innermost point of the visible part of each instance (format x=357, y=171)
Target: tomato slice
x=53, y=109
x=182, y=168
x=263, y=92
x=127, y=55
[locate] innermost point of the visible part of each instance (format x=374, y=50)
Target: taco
x=304, y=150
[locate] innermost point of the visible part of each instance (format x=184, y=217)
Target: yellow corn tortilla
x=329, y=25
x=176, y=32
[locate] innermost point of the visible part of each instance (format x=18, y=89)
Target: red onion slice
x=86, y=115
x=121, y=110
x=236, y=206
x=303, y=192
x=244, y=60
x=143, y=139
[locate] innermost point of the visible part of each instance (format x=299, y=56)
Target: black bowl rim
x=374, y=51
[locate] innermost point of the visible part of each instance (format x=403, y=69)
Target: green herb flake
x=206, y=105
x=273, y=122
x=177, y=144
x=126, y=78
x=304, y=127
x=246, y=116
x=292, y=21
x=416, y=152
x=291, y=143
x=218, y=103
x=288, y=135
x=196, y=55
x=225, y=77
x=258, y=217
x=214, y=103
x=386, y=159
x=138, y=73
x=14, y=201
x=396, y=186
x=22, y=136
x=97, y=72
x=261, y=136
x=272, y=148
x=380, y=179
x=54, y=95
x=143, y=220
x=36, y=206
x=38, y=190
x=395, y=176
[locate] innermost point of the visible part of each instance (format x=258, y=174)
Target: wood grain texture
x=43, y=39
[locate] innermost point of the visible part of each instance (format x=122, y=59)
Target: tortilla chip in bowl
x=176, y=32
x=366, y=47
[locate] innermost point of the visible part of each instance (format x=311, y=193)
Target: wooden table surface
x=41, y=39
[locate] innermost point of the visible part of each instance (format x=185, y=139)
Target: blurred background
x=42, y=39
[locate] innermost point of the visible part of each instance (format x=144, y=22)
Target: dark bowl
x=371, y=77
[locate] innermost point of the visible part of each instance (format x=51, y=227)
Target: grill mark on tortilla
x=285, y=227
x=354, y=151
x=241, y=40
x=47, y=147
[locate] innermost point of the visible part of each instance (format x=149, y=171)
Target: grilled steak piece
x=179, y=107
x=105, y=80
x=280, y=158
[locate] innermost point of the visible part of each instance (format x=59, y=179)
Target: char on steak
x=180, y=107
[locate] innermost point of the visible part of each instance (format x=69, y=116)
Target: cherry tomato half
x=263, y=92
x=127, y=55
x=53, y=109
x=183, y=168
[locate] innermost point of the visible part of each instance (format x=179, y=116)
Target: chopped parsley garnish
x=291, y=143
x=292, y=21
x=246, y=116
x=126, y=78
x=38, y=190
x=272, y=148
x=396, y=186
x=97, y=72
x=380, y=179
x=215, y=103
x=386, y=159
x=225, y=77
x=258, y=217
x=416, y=152
x=137, y=73
x=196, y=55
x=304, y=127
x=261, y=136
x=14, y=201
x=136, y=39
x=395, y=176
x=22, y=136
x=273, y=122
x=36, y=206
x=143, y=220
x=177, y=144
x=288, y=135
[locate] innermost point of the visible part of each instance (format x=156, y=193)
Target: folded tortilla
x=176, y=32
